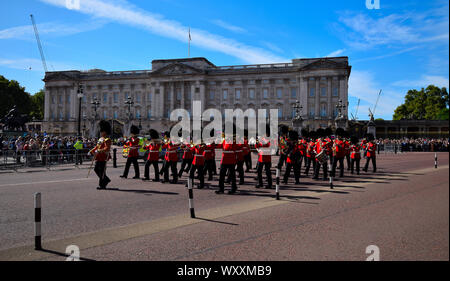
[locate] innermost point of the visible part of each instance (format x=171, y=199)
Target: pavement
x=403, y=210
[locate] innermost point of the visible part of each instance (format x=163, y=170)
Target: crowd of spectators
x=415, y=144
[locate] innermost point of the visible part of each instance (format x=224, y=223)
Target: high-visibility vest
x=78, y=145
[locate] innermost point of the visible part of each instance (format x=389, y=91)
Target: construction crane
x=378, y=98
x=36, y=33
x=356, y=113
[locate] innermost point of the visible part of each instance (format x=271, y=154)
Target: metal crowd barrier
x=12, y=159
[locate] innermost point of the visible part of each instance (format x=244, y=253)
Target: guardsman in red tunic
x=188, y=156
x=321, y=145
x=371, y=154
x=302, y=144
x=355, y=155
x=133, y=153
x=171, y=161
x=293, y=158
x=338, y=153
x=101, y=154
x=197, y=164
x=310, y=153
x=247, y=155
x=347, y=144
x=153, y=156
x=209, y=160
x=240, y=162
x=227, y=164
x=264, y=162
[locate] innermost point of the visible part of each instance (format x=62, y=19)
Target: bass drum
x=322, y=157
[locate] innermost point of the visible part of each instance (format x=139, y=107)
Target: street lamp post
x=340, y=119
x=297, y=119
x=95, y=103
x=129, y=102
x=80, y=97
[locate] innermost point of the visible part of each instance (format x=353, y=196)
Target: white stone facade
x=317, y=83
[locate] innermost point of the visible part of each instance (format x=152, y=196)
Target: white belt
x=198, y=155
x=170, y=151
x=239, y=151
x=228, y=151
x=207, y=150
x=151, y=151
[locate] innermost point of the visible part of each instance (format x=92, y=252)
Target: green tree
x=427, y=104
x=11, y=93
x=37, y=105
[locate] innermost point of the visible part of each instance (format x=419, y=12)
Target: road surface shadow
x=140, y=191
x=62, y=254
x=216, y=221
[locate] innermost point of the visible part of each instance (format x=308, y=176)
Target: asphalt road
x=403, y=210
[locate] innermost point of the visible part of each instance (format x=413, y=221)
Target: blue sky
x=402, y=45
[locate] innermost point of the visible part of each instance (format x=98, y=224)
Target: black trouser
x=230, y=168
x=374, y=164
x=201, y=177
x=341, y=166
x=173, y=167
x=133, y=160
x=214, y=167
x=248, y=161
x=325, y=170
x=296, y=167
x=353, y=162
x=308, y=162
x=100, y=170
x=240, y=170
x=281, y=160
x=347, y=157
x=79, y=158
x=208, y=168
x=183, y=168
x=266, y=166
x=147, y=169
x=300, y=161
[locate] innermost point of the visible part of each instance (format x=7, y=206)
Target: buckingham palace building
x=147, y=97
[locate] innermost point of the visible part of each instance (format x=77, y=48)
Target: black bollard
x=277, y=184
x=115, y=158
x=435, y=161
x=37, y=221
x=191, y=198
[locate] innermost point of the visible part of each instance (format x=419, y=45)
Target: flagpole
x=189, y=43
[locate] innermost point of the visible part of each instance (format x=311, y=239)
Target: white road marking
x=39, y=182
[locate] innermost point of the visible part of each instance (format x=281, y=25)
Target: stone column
x=182, y=95
x=153, y=101
x=317, y=97
x=172, y=96
x=47, y=105
x=161, y=108
x=303, y=96
x=202, y=95
x=72, y=94
x=329, y=94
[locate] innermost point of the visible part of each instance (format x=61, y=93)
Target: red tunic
x=188, y=153
x=102, y=149
x=371, y=149
x=199, y=159
x=310, y=149
x=246, y=148
x=133, y=146
x=153, y=151
x=340, y=149
x=355, y=151
x=292, y=155
x=263, y=155
x=171, y=152
x=302, y=147
x=239, y=152
x=209, y=152
x=228, y=153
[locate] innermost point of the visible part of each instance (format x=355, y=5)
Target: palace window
x=238, y=94
x=149, y=113
x=266, y=93
x=293, y=113
x=116, y=97
x=335, y=92
x=323, y=92
x=149, y=97
x=105, y=98
x=60, y=99
x=178, y=94
x=280, y=112
x=293, y=93
x=279, y=93
x=312, y=112
x=115, y=114
x=138, y=113
x=312, y=91
x=251, y=93
x=225, y=94
x=138, y=97
x=105, y=114
x=323, y=110
x=211, y=95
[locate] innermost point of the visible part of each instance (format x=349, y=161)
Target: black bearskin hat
x=167, y=134
x=134, y=130
x=328, y=132
x=293, y=135
x=340, y=132
x=354, y=140
x=284, y=129
x=154, y=134
x=105, y=127
x=370, y=137
x=320, y=133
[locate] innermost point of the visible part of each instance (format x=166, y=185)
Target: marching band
x=321, y=149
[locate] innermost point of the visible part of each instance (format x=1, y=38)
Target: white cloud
x=26, y=32
x=33, y=64
x=362, y=85
x=362, y=31
x=424, y=81
x=125, y=13
x=336, y=53
x=229, y=26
